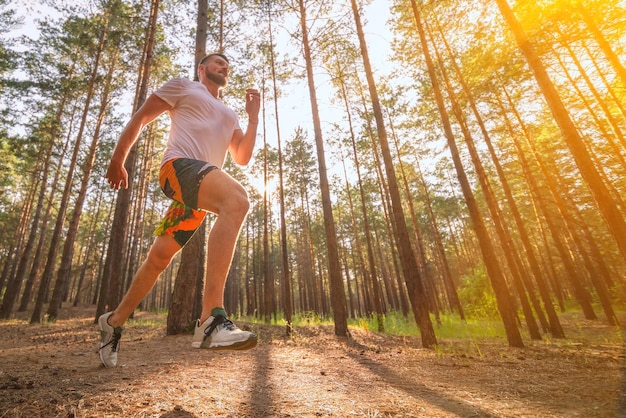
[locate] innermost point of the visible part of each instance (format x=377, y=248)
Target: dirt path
x=52, y=370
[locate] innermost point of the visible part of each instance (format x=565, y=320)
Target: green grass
x=302, y=319
x=449, y=327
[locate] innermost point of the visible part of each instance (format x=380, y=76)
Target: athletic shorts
x=180, y=180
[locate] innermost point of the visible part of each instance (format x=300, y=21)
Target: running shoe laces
x=115, y=340
x=220, y=320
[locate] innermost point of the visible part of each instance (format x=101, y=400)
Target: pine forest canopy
x=474, y=164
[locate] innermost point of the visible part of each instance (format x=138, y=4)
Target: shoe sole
x=240, y=345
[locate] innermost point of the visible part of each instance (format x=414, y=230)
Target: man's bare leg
x=221, y=194
x=159, y=257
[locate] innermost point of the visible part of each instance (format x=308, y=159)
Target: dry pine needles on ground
x=52, y=370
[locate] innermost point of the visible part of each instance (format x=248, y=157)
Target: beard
x=218, y=79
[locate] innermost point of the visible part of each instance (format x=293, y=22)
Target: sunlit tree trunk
x=609, y=85
x=286, y=269
x=15, y=273
x=554, y=324
x=408, y=261
x=137, y=248
x=502, y=232
x=618, y=150
x=498, y=282
x=268, y=282
x=427, y=275
x=370, y=274
x=374, y=293
x=17, y=248
x=37, y=257
x=336, y=283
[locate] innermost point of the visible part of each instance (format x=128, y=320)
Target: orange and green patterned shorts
x=180, y=180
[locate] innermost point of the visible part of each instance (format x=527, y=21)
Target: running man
x=202, y=130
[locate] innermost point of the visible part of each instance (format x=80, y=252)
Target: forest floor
x=53, y=370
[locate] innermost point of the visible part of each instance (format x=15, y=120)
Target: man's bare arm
x=242, y=144
x=152, y=108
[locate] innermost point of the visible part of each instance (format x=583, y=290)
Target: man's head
x=215, y=67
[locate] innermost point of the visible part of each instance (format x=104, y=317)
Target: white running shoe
x=109, y=341
x=219, y=333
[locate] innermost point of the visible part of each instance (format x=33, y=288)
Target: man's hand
x=117, y=175
x=253, y=104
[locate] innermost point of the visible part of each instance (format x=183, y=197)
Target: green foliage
x=477, y=296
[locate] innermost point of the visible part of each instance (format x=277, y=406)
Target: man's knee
x=162, y=252
x=239, y=204
x=158, y=261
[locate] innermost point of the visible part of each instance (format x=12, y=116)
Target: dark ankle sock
x=218, y=311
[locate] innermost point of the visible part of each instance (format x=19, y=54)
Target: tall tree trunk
x=111, y=282
x=286, y=270
x=554, y=324
x=10, y=267
x=422, y=262
x=408, y=261
x=37, y=257
x=617, y=149
x=192, y=270
x=268, y=283
x=449, y=284
x=91, y=246
x=337, y=291
x=370, y=274
x=609, y=85
x=503, y=297
x=374, y=293
x=15, y=274
x=502, y=231
x=602, y=102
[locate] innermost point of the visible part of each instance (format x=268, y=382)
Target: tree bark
x=192, y=270
x=408, y=261
x=111, y=282
x=337, y=291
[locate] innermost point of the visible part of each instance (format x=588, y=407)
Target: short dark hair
x=213, y=54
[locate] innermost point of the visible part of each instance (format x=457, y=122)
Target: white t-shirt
x=202, y=126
